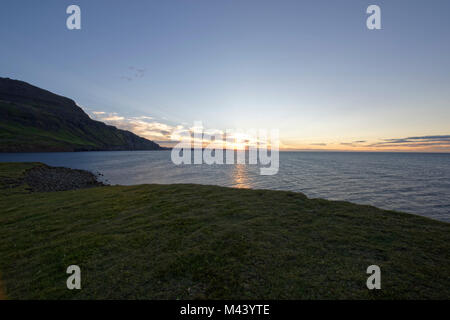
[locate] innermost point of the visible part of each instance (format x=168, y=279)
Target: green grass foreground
x=208, y=242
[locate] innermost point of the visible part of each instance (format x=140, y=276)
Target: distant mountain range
x=36, y=120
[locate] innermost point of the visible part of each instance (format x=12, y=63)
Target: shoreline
x=60, y=178
x=185, y=241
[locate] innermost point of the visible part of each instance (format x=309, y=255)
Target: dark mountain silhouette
x=36, y=120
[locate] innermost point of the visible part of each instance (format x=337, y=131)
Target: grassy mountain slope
x=33, y=120
x=194, y=241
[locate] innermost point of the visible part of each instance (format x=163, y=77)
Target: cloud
x=169, y=135
x=113, y=118
x=418, y=143
x=133, y=73
x=318, y=144
x=142, y=118
x=356, y=143
x=143, y=126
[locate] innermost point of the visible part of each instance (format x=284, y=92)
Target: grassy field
x=207, y=242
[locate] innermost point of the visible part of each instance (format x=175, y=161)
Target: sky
x=311, y=69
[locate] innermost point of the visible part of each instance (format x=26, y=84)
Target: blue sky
x=309, y=68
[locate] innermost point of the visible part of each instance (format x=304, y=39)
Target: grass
x=36, y=125
x=14, y=133
x=208, y=242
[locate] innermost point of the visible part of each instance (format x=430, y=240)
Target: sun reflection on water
x=240, y=177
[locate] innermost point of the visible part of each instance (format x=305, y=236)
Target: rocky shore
x=45, y=179
x=38, y=177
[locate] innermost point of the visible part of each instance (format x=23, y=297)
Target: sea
x=417, y=183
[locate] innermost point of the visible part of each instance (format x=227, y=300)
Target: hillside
x=36, y=120
x=194, y=241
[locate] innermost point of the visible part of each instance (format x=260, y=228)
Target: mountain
x=36, y=120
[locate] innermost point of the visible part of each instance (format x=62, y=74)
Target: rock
x=45, y=179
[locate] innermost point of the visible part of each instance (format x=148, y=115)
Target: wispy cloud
x=415, y=143
x=143, y=126
x=437, y=141
x=113, y=118
x=133, y=73
x=423, y=139
x=357, y=143
x=138, y=73
x=169, y=135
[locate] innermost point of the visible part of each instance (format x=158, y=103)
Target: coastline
x=412, y=183
x=208, y=242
